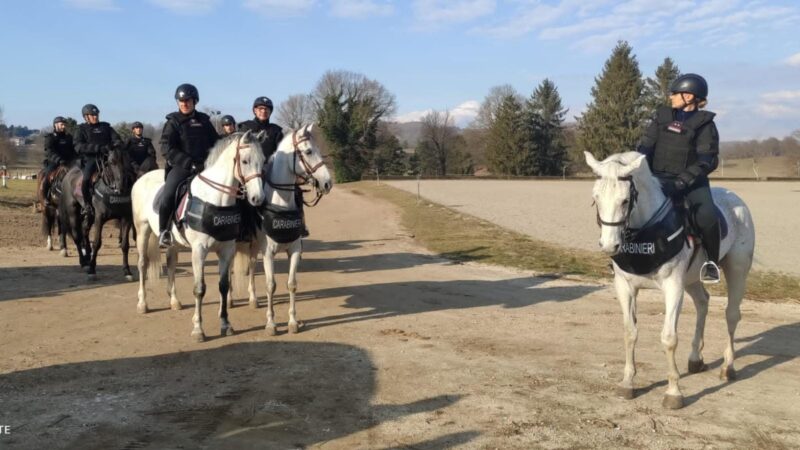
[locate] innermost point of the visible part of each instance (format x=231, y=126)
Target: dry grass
x=20, y=193
x=462, y=237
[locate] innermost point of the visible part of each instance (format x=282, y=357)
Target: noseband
x=235, y=191
x=632, y=197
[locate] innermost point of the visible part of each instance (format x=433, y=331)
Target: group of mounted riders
x=186, y=140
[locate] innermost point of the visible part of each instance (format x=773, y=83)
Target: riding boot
x=710, y=273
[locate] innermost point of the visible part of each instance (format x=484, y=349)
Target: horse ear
x=261, y=135
x=593, y=163
x=637, y=163
x=245, y=136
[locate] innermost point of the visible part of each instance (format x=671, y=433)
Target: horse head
x=306, y=143
x=615, y=195
x=249, y=162
x=115, y=171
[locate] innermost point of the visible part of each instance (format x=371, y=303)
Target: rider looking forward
x=58, y=150
x=94, y=139
x=682, y=148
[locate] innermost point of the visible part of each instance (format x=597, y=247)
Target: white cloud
x=780, y=104
x=280, y=8
x=778, y=96
x=462, y=114
x=793, y=60
x=357, y=9
x=435, y=12
x=189, y=7
x=98, y=5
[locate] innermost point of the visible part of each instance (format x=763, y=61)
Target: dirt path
x=561, y=211
x=400, y=350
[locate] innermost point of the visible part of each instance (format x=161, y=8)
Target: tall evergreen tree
x=656, y=90
x=505, y=145
x=545, y=135
x=613, y=121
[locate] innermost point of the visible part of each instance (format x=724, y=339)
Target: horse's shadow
x=51, y=281
x=209, y=398
x=777, y=345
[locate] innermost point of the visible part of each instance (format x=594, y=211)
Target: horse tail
x=241, y=266
x=153, y=258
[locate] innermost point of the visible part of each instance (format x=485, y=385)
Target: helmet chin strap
x=685, y=103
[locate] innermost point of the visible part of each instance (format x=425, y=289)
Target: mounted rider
x=141, y=151
x=59, y=150
x=228, y=125
x=186, y=140
x=93, y=140
x=262, y=111
x=682, y=148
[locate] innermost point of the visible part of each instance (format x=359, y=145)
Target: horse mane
x=223, y=143
x=614, y=166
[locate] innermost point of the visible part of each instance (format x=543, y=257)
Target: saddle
x=181, y=200
x=78, y=188
x=220, y=222
x=692, y=230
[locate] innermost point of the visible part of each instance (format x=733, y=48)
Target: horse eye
x=308, y=152
x=245, y=162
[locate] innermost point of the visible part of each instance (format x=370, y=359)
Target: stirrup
x=709, y=273
x=165, y=239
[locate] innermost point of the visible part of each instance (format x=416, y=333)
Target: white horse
x=620, y=208
x=297, y=161
x=234, y=163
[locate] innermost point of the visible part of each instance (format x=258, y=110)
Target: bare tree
x=492, y=101
x=440, y=150
x=296, y=111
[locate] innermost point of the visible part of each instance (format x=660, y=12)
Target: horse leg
x=62, y=238
x=269, y=274
x=251, y=274
x=199, y=254
x=225, y=257
x=125, y=226
x=97, y=242
x=172, y=262
x=736, y=279
x=627, y=302
x=700, y=298
x=673, y=299
x=141, y=248
x=294, y=262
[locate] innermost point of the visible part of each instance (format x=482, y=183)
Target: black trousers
x=89, y=168
x=703, y=215
x=173, y=177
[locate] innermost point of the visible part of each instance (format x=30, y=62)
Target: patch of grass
x=461, y=237
x=20, y=193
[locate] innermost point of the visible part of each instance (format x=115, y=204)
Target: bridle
x=305, y=177
x=632, y=197
x=106, y=174
x=239, y=190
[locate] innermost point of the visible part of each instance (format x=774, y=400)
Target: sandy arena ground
x=561, y=212
x=401, y=350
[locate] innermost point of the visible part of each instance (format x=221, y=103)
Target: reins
x=239, y=190
x=309, y=171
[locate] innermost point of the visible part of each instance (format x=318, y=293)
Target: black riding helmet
x=59, y=119
x=89, y=110
x=263, y=101
x=228, y=120
x=137, y=125
x=691, y=83
x=185, y=91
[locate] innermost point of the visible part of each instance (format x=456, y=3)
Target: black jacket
x=94, y=140
x=186, y=140
x=686, y=150
x=139, y=149
x=59, y=148
x=272, y=138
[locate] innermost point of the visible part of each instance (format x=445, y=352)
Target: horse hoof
x=226, y=331
x=253, y=304
x=294, y=327
x=141, y=308
x=697, y=366
x=271, y=331
x=198, y=336
x=626, y=392
x=728, y=374
x=63, y=252
x=175, y=306
x=129, y=277
x=672, y=402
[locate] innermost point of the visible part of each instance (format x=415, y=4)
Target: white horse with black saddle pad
x=629, y=202
x=233, y=168
x=297, y=161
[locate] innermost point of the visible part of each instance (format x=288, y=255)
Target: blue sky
x=128, y=56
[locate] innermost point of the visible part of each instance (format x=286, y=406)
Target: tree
x=613, y=122
x=349, y=107
x=7, y=154
x=656, y=90
x=490, y=104
x=388, y=157
x=437, y=143
x=545, y=136
x=296, y=111
x=505, y=143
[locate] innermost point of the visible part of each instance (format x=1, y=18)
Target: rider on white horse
x=187, y=137
x=682, y=147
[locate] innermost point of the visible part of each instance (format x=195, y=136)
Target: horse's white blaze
x=679, y=273
x=222, y=169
